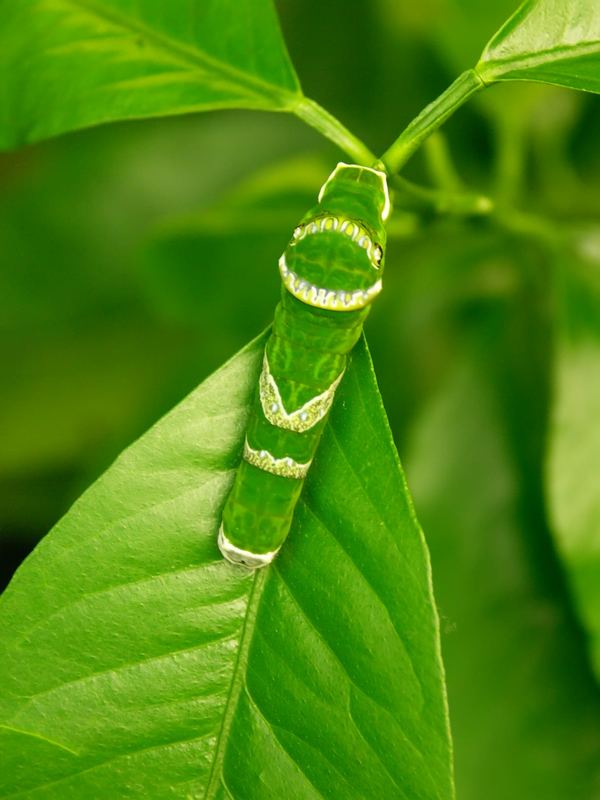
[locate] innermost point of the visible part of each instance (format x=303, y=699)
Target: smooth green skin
x=136, y=662
x=307, y=351
x=574, y=439
x=553, y=41
x=68, y=64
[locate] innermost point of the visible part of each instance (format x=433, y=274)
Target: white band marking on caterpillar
x=285, y=467
x=244, y=557
x=303, y=418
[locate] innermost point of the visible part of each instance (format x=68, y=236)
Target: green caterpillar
x=331, y=272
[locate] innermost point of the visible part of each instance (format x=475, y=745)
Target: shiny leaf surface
x=68, y=64
x=136, y=662
x=553, y=41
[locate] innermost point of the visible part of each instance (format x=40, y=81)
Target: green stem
x=526, y=224
x=439, y=162
x=510, y=160
x=321, y=120
x=430, y=119
x=441, y=201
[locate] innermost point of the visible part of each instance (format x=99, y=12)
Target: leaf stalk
x=317, y=117
x=430, y=119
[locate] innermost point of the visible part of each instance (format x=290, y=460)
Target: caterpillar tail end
x=235, y=555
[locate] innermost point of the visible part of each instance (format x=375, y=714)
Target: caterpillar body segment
x=331, y=272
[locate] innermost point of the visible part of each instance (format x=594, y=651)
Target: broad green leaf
x=574, y=436
x=552, y=41
x=67, y=64
x=525, y=708
x=137, y=663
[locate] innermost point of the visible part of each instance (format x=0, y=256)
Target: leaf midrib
x=540, y=58
x=189, y=56
x=237, y=682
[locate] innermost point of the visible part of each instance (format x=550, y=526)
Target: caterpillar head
x=336, y=256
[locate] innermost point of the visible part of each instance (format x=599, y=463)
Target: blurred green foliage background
x=136, y=258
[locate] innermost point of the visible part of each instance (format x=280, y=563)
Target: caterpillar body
x=331, y=272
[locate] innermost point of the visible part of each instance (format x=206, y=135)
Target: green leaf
x=525, y=708
x=574, y=436
x=552, y=41
x=67, y=64
x=137, y=663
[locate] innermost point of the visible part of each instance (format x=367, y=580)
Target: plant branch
x=510, y=161
x=321, y=120
x=440, y=165
x=441, y=201
x=430, y=119
x=524, y=223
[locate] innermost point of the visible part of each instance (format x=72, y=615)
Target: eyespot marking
x=321, y=297
x=351, y=228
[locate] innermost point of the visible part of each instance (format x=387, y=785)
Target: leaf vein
x=24, y=732
x=273, y=728
x=237, y=682
x=106, y=762
x=120, y=668
x=185, y=54
x=375, y=594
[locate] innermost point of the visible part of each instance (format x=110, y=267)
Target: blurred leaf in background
x=92, y=364
x=520, y=689
x=246, y=231
x=574, y=442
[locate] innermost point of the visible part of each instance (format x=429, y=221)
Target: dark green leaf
x=553, y=41
x=137, y=663
x=67, y=64
x=574, y=437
